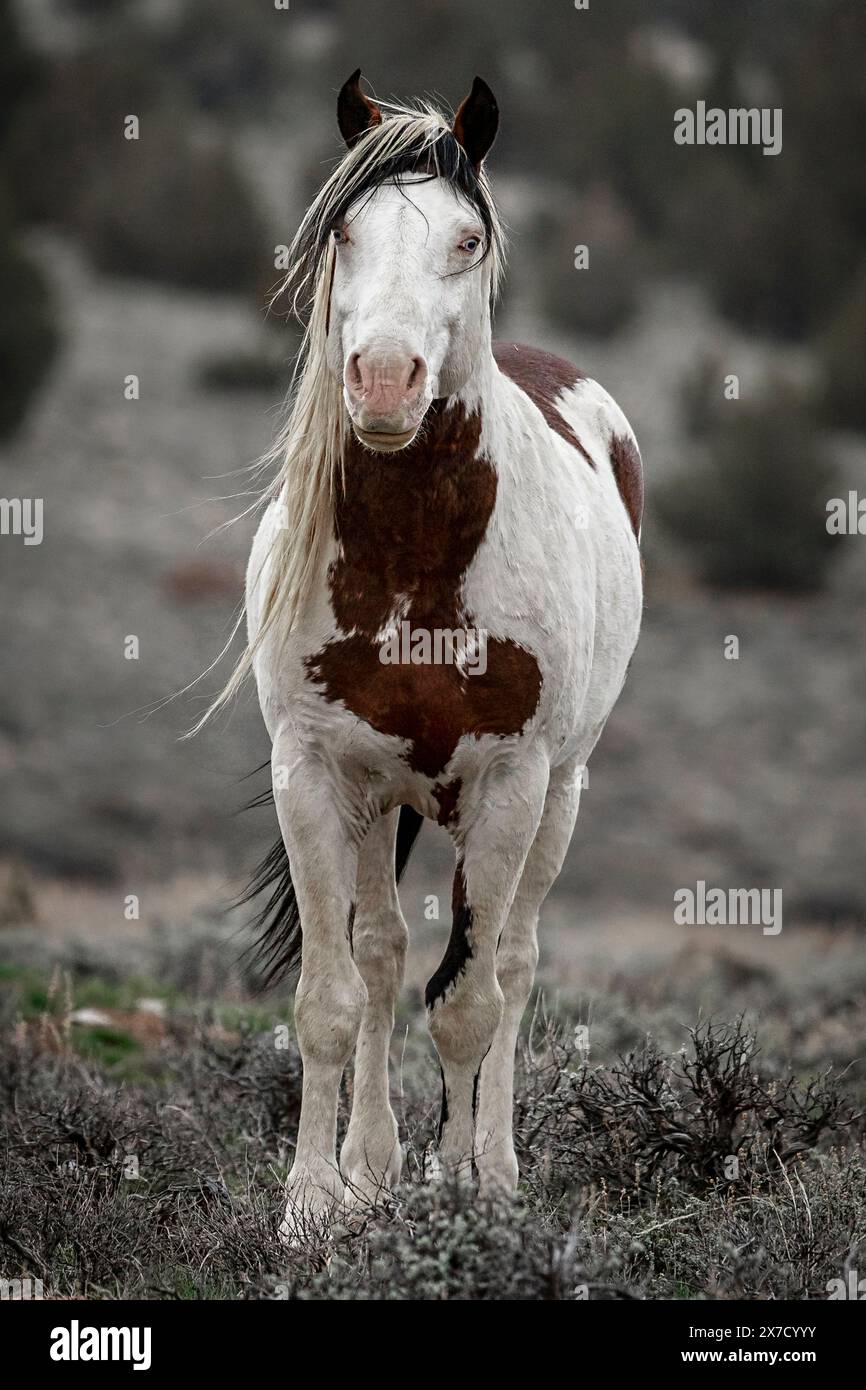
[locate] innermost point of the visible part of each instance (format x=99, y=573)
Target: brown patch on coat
x=447, y=795
x=542, y=375
x=409, y=525
x=458, y=952
x=628, y=472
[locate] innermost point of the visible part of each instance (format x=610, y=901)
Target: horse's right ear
x=356, y=114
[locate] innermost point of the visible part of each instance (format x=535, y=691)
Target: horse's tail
x=276, y=949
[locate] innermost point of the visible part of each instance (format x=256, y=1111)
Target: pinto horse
x=430, y=482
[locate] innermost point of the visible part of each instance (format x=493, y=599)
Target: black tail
x=276, y=949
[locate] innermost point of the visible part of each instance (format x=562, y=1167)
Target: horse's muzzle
x=386, y=441
x=387, y=395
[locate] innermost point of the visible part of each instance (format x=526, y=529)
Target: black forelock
x=441, y=158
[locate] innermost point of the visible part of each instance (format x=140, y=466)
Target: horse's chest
x=425, y=686
x=407, y=657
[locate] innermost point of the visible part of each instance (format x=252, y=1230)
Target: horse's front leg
x=464, y=998
x=371, y=1159
x=516, y=960
x=321, y=840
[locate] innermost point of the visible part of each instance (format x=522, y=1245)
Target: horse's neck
x=440, y=475
x=410, y=523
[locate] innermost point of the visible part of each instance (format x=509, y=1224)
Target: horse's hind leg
x=464, y=1000
x=370, y=1158
x=516, y=960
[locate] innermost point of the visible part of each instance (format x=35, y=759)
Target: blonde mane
x=308, y=451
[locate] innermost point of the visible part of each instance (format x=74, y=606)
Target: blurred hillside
x=154, y=257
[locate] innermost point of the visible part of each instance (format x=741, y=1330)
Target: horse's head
x=408, y=306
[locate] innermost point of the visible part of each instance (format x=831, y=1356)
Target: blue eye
x=471, y=244
x=339, y=235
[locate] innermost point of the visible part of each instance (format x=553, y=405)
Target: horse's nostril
x=417, y=375
x=354, y=378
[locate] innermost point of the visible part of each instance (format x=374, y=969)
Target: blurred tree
x=229, y=57
x=596, y=290
x=173, y=207
x=843, y=357
x=28, y=338
x=63, y=132
x=751, y=507
x=780, y=238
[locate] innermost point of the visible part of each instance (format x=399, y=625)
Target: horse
x=443, y=597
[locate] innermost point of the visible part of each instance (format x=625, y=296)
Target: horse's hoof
x=439, y=1167
x=312, y=1200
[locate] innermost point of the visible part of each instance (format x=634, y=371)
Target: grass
x=153, y=1168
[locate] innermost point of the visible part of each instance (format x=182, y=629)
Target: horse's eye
x=471, y=244
x=339, y=235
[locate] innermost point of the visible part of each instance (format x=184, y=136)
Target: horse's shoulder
x=536, y=371
x=543, y=377
x=612, y=434
x=593, y=413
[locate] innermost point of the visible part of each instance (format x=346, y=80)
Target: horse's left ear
x=356, y=113
x=477, y=122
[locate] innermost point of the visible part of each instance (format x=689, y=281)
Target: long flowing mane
x=307, y=455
